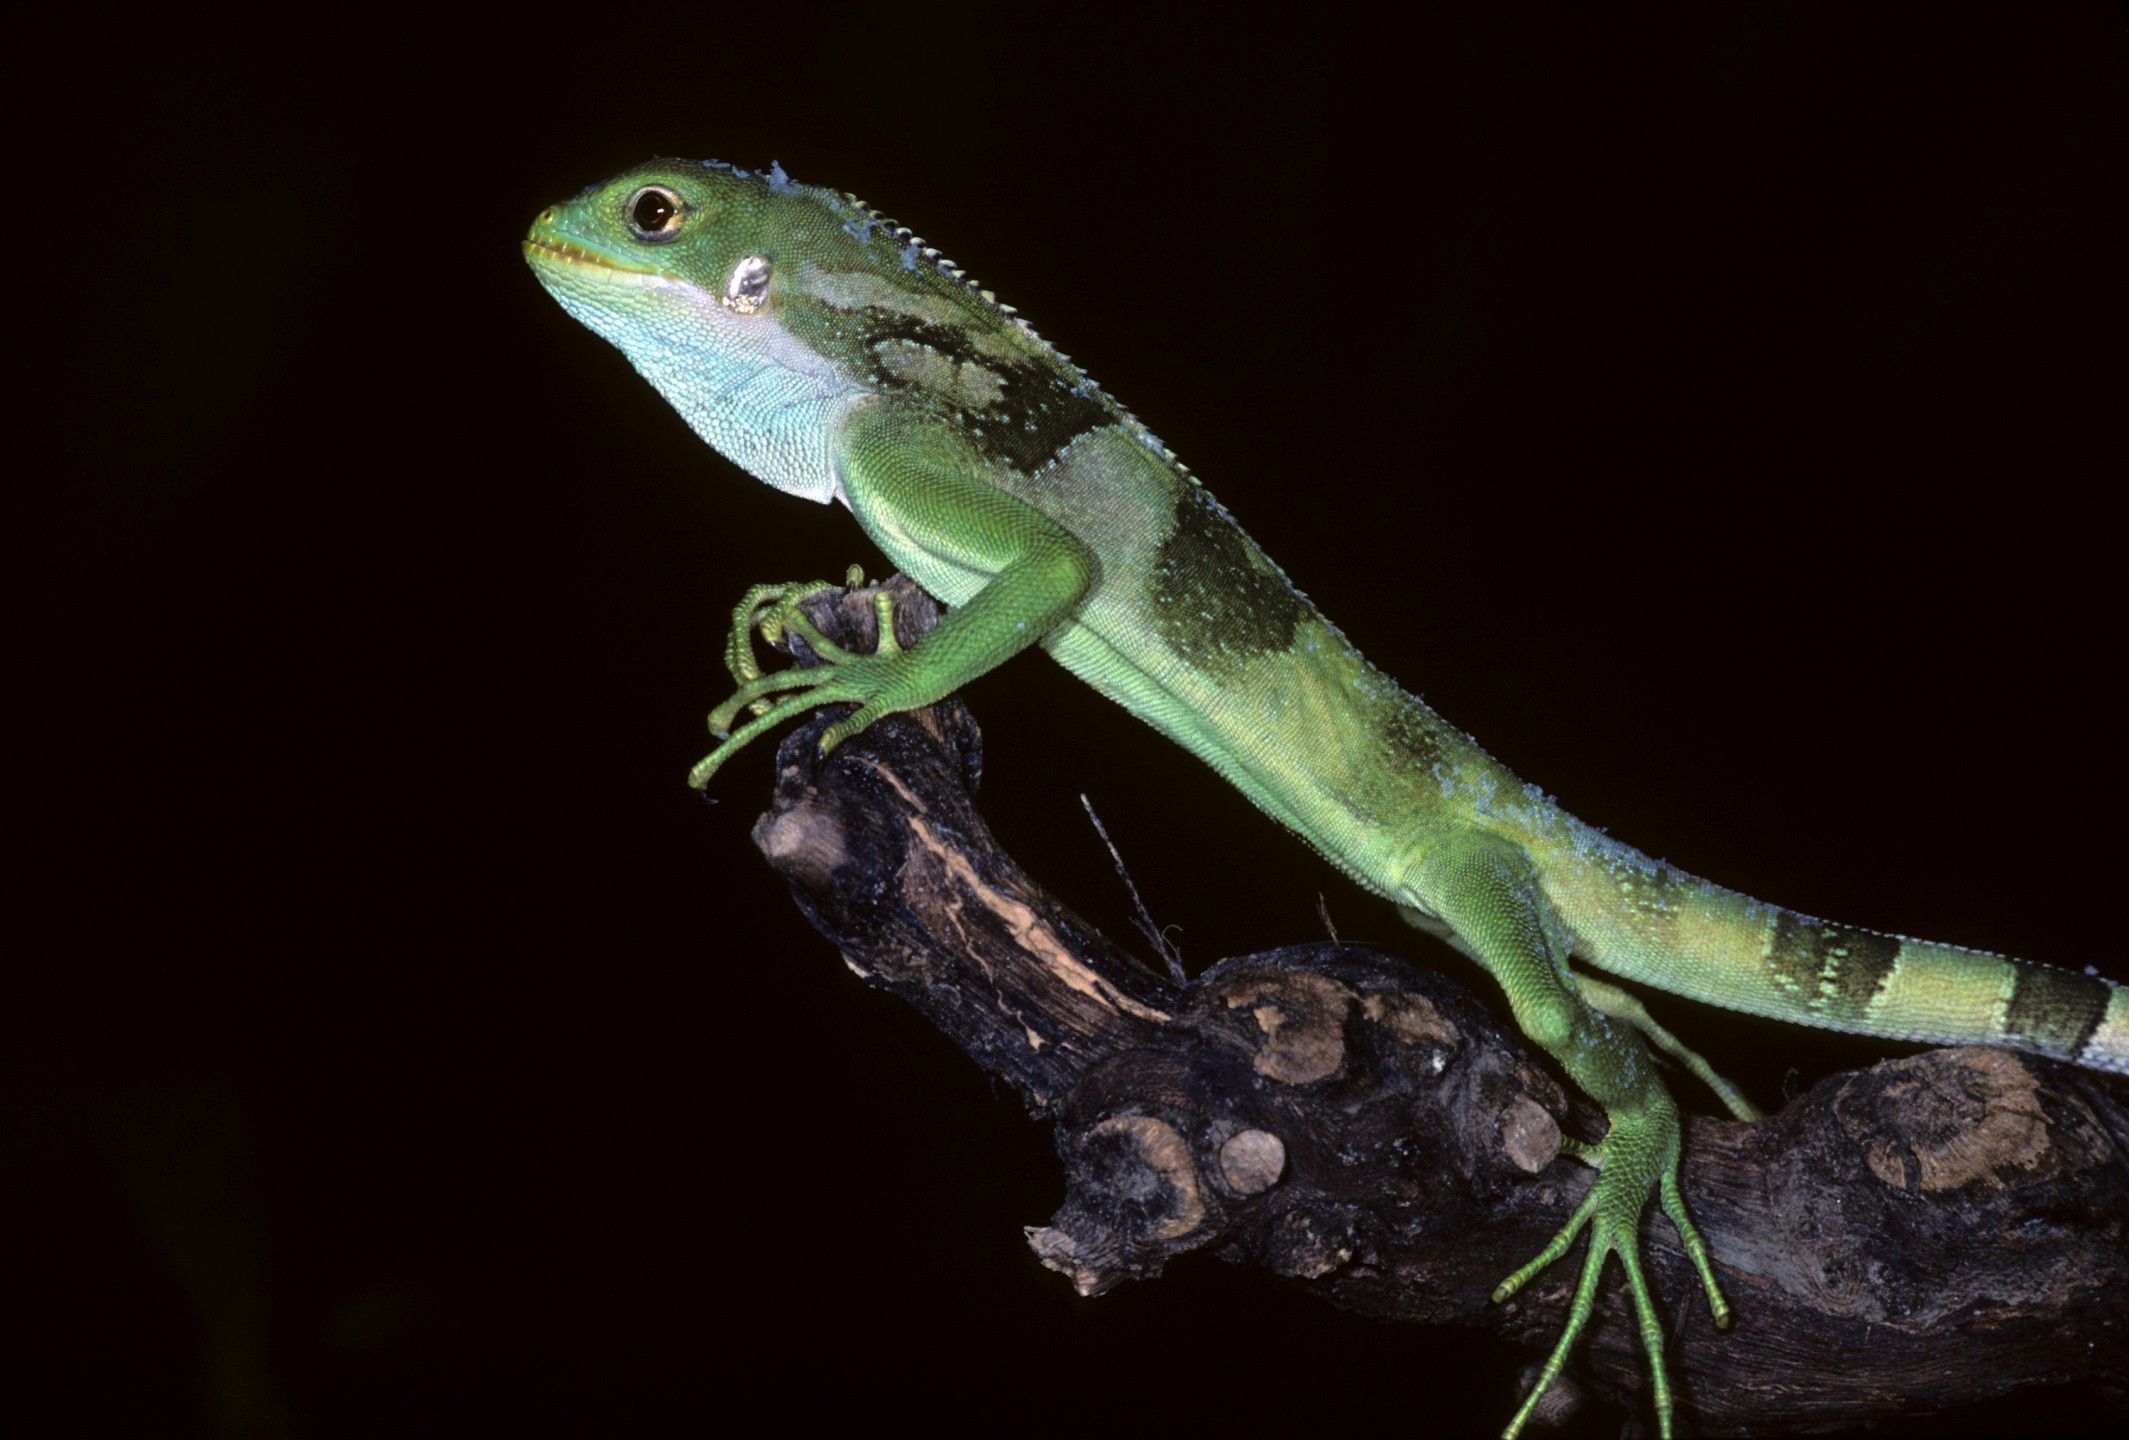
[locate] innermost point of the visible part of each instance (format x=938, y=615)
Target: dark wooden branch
x=1899, y=1240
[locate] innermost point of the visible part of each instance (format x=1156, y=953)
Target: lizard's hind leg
x=1623, y=1005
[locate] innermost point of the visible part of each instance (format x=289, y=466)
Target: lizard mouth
x=551, y=252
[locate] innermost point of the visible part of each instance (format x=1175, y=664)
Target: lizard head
x=699, y=273
x=765, y=309
x=672, y=240
x=668, y=235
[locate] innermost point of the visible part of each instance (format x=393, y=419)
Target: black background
x=1717, y=414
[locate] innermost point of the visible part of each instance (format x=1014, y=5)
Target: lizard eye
x=655, y=214
x=747, y=289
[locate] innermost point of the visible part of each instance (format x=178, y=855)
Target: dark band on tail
x=2055, y=1010
x=1831, y=968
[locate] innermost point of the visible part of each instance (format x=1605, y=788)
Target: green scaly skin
x=831, y=353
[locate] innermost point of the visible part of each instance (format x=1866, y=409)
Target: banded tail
x=1859, y=980
x=1655, y=924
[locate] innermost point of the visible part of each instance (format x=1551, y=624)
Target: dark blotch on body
x=1420, y=735
x=1215, y=600
x=1039, y=410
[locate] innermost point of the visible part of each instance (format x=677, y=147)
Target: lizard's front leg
x=1034, y=574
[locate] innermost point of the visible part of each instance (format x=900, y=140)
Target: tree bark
x=1898, y=1241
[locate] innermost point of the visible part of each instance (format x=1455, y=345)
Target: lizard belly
x=1286, y=732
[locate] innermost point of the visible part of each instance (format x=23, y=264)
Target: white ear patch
x=746, y=289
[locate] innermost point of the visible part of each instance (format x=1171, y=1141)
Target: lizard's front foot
x=1639, y=1151
x=773, y=610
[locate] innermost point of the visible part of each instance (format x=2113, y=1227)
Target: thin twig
x=1141, y=918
